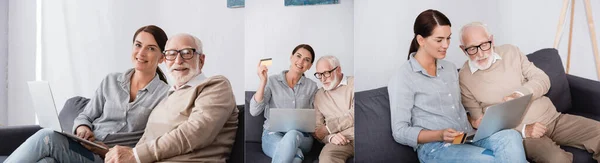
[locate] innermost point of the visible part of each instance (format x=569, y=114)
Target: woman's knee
x=292, y=136
x=43, y=133
x=510, y=134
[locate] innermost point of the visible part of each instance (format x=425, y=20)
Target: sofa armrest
x=11, y=137
x=584, y=95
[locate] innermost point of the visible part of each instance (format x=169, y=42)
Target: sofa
x=254, y=128
x=13, y=136
x=570, y=94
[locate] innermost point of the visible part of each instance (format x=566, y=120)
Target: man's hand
x=339, y=139
x=511, y=96
x=449, y=134
x=475, y=122
x=101, y=152
x=85, y=132
x=535, y=130
x=321, y=132
x=120, y=154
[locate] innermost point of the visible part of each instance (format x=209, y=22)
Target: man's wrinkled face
x=478, y=46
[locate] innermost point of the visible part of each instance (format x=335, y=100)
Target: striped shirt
x=279, y=95
x=110, y=115
x=419, y=101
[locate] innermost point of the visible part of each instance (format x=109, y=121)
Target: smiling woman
x=134, y=92
x=289, y=89
x=154, y=41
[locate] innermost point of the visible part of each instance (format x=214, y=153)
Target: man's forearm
x=321, y=132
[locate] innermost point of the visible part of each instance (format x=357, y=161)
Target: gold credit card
x=266, y=62
x=460, y=139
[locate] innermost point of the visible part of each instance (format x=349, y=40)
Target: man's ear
x=202, y=59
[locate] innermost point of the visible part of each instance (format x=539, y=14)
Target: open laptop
x=43, y=102
x=506, y=115
x=284, y=120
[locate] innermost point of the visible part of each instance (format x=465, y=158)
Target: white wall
x=76, y=62
x=3, y=60
x=384, y=29
x=21, y=61
x=83, y=41
x=273, y=30
x=221, y=30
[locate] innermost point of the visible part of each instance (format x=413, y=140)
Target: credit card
x=460, y=139
x=266, y=61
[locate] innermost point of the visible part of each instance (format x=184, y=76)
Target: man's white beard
x=332, y=84
x=488, y=64
x=181, y=80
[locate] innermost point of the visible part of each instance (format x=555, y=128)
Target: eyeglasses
x=187, y=53
x=484, y=47
x=326, y=73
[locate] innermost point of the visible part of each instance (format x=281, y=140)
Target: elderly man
x=196, y=122
x=496, y=74
x=334, y=106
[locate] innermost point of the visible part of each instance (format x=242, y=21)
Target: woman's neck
x=140, y=79
x=427, y=62
x=292, y=78
x=425, y=59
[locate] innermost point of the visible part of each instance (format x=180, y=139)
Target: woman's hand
x=262, y=73
x=449, y=134
x=85, y=132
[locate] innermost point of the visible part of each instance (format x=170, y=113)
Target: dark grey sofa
x=13, y=136
x=570, y=94
x=254, y=128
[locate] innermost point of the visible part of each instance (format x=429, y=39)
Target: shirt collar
x=282, y=78
x=192, y=83
x=473, y=68
x=125, y=81
x=343, y=82
x=416, y=66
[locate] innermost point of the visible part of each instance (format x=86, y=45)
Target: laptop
x=43, y=103
x=506, y=115
x=284, y=120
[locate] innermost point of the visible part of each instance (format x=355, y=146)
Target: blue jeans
x=503, y=146
x=49, y=146
x=286, y=147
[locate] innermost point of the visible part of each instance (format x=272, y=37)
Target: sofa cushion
x=254, y=153
x=373, y=131
x=549, y=61
x=254, y=124
x=237, y=152
x=579, y=156
x=11, y=137
x=70, y=111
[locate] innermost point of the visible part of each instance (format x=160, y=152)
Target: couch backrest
x=254, y=125
x=70, y=111
x=237, y=153
x=373, y=132
x=549, y=61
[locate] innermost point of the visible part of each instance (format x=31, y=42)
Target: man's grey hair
x=196, y=41
x=473, y=24
x=333, y=61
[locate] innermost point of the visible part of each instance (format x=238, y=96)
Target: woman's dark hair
x=161, y=39
x=307, y=47
x=424, y=25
